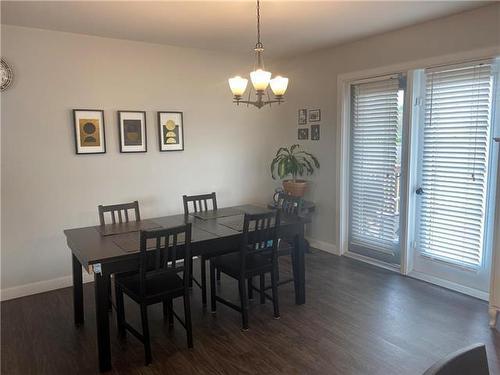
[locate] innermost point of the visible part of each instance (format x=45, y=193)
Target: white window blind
x=456, y=141
x=375, y=120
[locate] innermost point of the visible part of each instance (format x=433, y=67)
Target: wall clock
x=6, y=75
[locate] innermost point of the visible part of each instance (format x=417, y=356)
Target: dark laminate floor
x=358, y=320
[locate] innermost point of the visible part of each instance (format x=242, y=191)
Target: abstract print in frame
x=89, y=131
x=170, y=131
x=132, y=130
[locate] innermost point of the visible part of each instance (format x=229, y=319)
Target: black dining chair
x=118, y=213
x=158, y=281
x=200, y=203
x=289, y=206
x=471, y=360
x=257, y=256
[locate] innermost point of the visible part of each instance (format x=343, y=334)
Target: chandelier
x=261, y=79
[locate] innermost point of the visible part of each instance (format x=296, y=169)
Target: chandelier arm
x=268, y=97
x=257, y=103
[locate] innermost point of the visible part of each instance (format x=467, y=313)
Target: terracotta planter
x=296, y=189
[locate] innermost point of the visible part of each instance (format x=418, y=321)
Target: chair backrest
x=260, y=235
x=468, y=361
x=119, y=210
x=290, y=205
x=161, y=252
x=200, y=202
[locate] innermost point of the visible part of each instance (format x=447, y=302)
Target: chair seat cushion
x=158, y=285
x=230, y=263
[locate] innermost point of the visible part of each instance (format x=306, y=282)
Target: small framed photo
x=315, y=132
x=88, y=125
x=303, y=134
x=314, y=115
x=302, y=116
x=171, y=131
x=132, y=130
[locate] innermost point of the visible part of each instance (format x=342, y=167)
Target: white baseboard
x=450, y=285
x=41, y=286
x=325, y=246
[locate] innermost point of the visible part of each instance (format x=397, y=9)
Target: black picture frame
x=303, y=134
x=302, y=116
x=314, y=115
x=162, y=146
x=76, y=136
x=315, y=132
x=120, y=133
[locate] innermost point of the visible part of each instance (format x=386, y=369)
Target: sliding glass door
x=377, y=107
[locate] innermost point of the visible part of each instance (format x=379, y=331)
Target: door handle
x=419, y=191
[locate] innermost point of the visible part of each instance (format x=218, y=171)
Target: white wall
x=314, y=79
x=47, y=188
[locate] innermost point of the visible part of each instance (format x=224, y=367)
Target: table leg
x=299, y=268
x=102, y=284
x=77, y=291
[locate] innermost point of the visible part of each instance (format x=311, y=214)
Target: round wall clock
x=6, y=75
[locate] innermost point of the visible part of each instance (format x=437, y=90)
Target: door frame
x=408, y=157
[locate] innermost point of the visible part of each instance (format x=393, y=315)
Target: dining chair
x=289, y=206
x=164, y=254
x=118, y=213
x=471, y=360
x=200, y=203
x=257, y=256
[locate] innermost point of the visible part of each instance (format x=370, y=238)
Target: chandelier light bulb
x=279, y=85
x=238, y=85
x=260, y=79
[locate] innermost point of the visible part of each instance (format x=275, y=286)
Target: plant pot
x=296, y=189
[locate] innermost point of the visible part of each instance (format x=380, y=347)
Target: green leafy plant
x=293, y=162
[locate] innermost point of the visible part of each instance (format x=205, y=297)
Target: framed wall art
x=302, y=116
x=171, y=131
x=303, y=134
x=89, y=131
x=315, y=132
x=132, y=130
x=314, y=115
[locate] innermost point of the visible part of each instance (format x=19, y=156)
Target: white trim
x=450, y=285
x=41, y=287
x=343, y=119
x=372, y=261
x=322, y=245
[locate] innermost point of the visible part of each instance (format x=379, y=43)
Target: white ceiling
x=288, y=27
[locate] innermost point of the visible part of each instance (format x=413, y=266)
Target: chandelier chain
x=259, y=44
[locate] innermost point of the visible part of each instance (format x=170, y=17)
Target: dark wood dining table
x=114, y=248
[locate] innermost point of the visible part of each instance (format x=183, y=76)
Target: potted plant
x=293, y=162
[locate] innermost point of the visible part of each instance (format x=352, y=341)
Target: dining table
x=104, y=250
